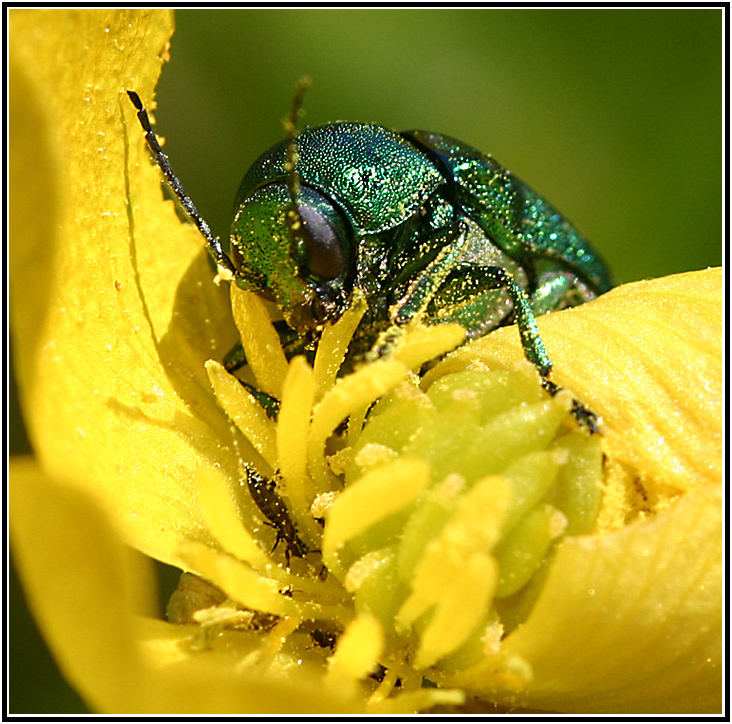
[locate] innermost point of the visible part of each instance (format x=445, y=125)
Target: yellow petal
x=119, y=311
x=87, y=590
x=253, y=591
x=459, y=610
x=627, y=622
x=348, y=395
x=647, y=357
x=238, y=580
x=111, y=347
x=426, y=343
x=81, y=583
x=333, y=345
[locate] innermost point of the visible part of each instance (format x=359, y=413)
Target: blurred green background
x=613, y=115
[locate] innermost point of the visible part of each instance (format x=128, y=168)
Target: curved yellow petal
x=88, y=590
x=333, y=345
x=214, y=681
x=647, y=357
x=223, y=519
x=627, y=622
x=80, y=581
x=245, y=412
x=346, y=396
x=118, y=309
x=292, y=433
x=394, y=485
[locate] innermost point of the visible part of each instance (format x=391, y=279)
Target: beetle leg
x=490, y=278
x=535, y=351
x=413, y=303
x=533, y=346
x=496, y=277
x=585, y=417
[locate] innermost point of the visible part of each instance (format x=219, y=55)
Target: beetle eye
x=322, y=244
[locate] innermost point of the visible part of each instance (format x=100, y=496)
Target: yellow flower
x=116, y=351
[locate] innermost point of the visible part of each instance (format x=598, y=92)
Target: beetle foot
x=385, y=343
x=585, y=417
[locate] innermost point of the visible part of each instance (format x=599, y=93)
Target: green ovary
x=459, y=564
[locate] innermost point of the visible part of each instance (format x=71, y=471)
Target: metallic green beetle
x=425, y=225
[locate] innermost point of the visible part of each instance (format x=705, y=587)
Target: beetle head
x=300, y=262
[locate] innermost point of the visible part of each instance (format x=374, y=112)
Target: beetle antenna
x=212, y=243
x=294, y=220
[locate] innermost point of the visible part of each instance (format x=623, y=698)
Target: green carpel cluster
x=504, y=474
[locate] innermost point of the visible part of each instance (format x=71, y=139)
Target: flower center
x=466, y=487
x=418, y=515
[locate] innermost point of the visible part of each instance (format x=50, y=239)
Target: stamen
x=246, y=413
x=260, y=341
x=217, y=507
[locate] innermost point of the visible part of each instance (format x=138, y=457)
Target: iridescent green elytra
x=425, y=225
